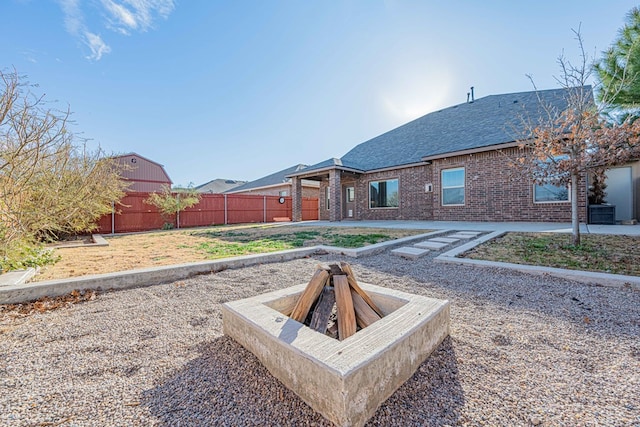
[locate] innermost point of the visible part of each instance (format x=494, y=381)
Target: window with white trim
x=452, y=187
x=383, y=194
x=327, y=194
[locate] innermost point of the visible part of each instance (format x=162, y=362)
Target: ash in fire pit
x=332, y=297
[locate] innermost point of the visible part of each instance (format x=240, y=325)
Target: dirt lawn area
x=152, y=249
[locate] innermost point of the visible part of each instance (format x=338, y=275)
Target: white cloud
x=97, y=45
x=122, y=16
x=73, y=20
x=126, y=15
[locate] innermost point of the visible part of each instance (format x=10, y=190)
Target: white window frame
x=384, y=180
x=327, y=193
x=463, y=186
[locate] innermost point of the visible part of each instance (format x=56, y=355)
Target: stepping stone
x=470, y=233
x=409, y=252
x=436, y=246
x=462, y=236
x=444, y=240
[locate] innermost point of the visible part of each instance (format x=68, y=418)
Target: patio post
x=296, y=199
x=335, y=196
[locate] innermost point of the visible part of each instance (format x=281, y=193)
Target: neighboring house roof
x=482, y=123
x=277, y=178
x=217, y=186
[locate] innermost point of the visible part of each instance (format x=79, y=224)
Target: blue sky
x=241, y=89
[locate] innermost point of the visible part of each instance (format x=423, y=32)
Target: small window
x=453, y=187
x=282, y=193
x=327, y=194
x=549, y=193
x=351, y=194
x=383, y=194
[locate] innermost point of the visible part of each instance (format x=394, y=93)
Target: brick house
x=448, y=165
x=278, y=184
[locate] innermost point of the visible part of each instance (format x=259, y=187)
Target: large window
x=550, y=193
x=383, y=194
x=453, y=187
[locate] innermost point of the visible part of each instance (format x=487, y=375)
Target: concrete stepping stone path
x=410, y=252
x=429, y=244
x=463, y=236
x=444, y=240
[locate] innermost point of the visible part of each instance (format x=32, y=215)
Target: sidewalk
x=631, y=230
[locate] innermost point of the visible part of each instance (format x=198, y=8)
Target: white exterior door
x=620, y=192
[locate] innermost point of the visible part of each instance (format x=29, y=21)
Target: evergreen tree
x=619, y=69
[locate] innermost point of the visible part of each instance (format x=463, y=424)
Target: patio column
x=335, y=196
x=296, y=199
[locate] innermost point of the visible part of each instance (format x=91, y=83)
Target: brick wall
x=413, y=202
x=493, y=192
x=496, y=192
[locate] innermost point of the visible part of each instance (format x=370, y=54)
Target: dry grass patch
x=127, y=252
x=602, y=253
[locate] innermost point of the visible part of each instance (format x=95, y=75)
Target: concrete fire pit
x=345, y=381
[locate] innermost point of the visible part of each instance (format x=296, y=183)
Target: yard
x=523, y=350
x=616, y=254
x=126, y=252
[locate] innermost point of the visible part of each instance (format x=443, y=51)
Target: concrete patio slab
x=345, y=381
x=410, y=252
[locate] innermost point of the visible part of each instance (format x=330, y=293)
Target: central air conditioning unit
x=428, y=188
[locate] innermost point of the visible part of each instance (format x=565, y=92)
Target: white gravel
x=524, y=350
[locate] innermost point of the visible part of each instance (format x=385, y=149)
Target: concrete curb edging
x=590, y=277
x=98, y=240
x=18, y=292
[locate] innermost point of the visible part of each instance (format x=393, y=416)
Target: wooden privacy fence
x=132, y=214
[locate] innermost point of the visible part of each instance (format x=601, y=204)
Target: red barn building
x=144, y=175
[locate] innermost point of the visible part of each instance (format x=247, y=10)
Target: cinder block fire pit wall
x=345, y=381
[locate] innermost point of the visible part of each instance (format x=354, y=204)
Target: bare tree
x=561, y=145
x=49, y=184
x=173, y=202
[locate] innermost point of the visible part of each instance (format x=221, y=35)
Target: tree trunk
x=575, y=221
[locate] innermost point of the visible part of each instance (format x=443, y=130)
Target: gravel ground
x=524, y=350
